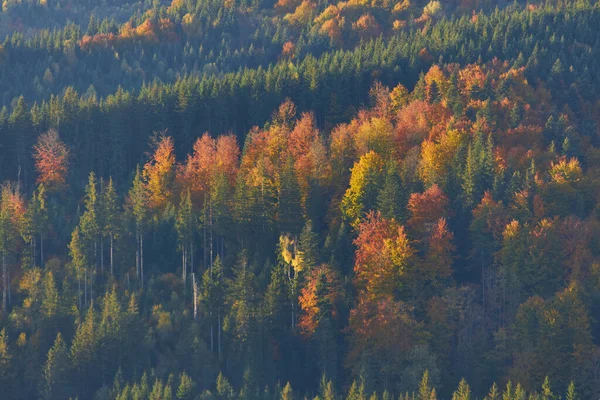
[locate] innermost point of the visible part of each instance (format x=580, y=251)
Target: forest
x=300, y=199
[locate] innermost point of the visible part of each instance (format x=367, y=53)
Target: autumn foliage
x=51, y=157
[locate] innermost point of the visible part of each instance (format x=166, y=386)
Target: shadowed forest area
x=300, y=199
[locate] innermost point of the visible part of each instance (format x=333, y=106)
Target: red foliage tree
x=427, y=208
x=51, y=157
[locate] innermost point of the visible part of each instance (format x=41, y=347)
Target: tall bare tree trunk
x=102, y=255
x=4, y=282
x=137, y=256
x=195, y=287
x=111, y=254
x=41, y=251
x=85, y=287
x=142, y=258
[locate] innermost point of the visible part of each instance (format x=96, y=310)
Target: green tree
x=463, y=392
x=185, y=227
x=138, y=202
x=111, y=217
x=56, y=369
x=287, y=393
x=185, y=390
x=90, y=224
x=365, y=183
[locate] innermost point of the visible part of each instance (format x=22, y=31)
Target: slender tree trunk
x=204, y=253
x=85, y=287
x=92, y=287
x=4, y=282
x=111, y=254
x=183, y=266
x=191, y=256
x=41, y=251
x=137, y=256
x=195, y=287
x=211, y=234
x=79, y=288
x=212, y=340
x=102, y=255
x=142, y=258
x=219, y=333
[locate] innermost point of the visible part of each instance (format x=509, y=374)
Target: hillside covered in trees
x=300, y=199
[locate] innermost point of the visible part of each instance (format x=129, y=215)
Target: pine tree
x=185, y=390
x=50, y=301
x=546, y=393
x=138, y=202
x=308, y=247
x=424, y=388
x=463, y=392
x=287, y=393
x=212, y=295
x=90, y=229
x=224, y=388
x=326, y=389
x=78, y=261
x=111, y=218
x=6, y=362
x=571, y=393
x=56, y=371
x=357, y=392
x=493, y=393
x=390, y=200
x=185, y=228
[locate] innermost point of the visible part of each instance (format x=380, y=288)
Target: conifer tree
x=111, y=218
x=56, y=371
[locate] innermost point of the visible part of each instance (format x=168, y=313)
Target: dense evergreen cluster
x=300, y=199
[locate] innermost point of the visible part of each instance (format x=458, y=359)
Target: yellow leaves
x=375, y=135
x=367, y=26
x=437, y=157
x=286, y=6
x=159, y=173
x=364, y=184
x=432, y=9
x=512, y=230
x=399, y=24
x=471, y=76
x=400, y=250
x=330, y=12
x=400, y=96
x=176, y=5
x=401, y=6
x=302, y=15
x=566, y=171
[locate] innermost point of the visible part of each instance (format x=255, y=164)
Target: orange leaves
x=470, y=77
x=163, y=29
x=566, y=171
x=437, y=157
x=367, y=26
x=382, y=255
x=159, y=173
x=210, y=156
x=288, y=50
x=375, y=134
x=440, y=254
x=302, y=15
x=321, y=290
x=384, y=331
x=427, y=208
x=51, y=157
x=287, y=6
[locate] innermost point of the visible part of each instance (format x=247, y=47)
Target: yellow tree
x=159, y=174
